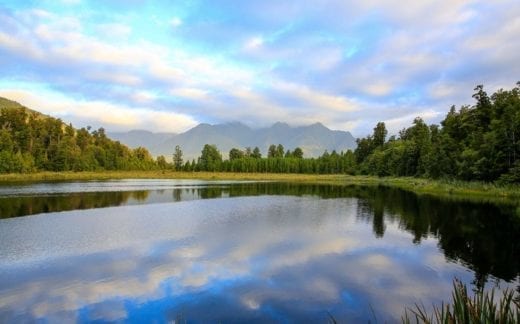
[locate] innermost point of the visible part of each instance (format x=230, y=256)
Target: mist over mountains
x=312, y=139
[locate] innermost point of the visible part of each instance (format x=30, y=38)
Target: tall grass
x=481, y=308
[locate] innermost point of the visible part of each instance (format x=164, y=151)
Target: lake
x=215, y=251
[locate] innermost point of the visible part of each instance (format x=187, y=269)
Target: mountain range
x=312, y=139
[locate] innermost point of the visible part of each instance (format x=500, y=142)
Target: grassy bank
x=443, y=188
x=106, y=175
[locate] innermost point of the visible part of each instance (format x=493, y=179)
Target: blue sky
x=169, y=65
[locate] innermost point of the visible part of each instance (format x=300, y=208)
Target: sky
x=169, y=65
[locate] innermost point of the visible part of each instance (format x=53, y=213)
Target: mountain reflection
x=482, y=235
x=280, y=252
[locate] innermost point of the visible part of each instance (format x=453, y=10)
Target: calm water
x=159, y=250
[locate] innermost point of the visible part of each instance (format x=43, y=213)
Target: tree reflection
x=483, y=236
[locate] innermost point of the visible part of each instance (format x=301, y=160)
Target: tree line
x=30, y=142
x=278, y=160
x=478, y=142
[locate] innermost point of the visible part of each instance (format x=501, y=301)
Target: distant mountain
x=142, y=138
x=313, y=139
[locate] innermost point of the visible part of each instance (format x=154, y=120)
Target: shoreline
x=443, y=188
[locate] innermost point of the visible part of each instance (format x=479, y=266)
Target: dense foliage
x=278, y=161
x=30, y=141
x=481, y=142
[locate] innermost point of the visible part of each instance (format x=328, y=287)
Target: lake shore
x=445, y=188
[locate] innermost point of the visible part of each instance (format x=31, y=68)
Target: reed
x=483, y=307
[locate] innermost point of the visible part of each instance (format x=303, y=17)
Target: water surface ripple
x=255, y=252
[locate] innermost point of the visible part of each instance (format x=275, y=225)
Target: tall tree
x=177, y=158
x=210, y=159
x=256, y=153
x=379, y=136
x=280, y=151
x=235, y=154
x=298, y=153
x=271, y=151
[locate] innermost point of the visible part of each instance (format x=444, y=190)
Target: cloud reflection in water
x=238, y=259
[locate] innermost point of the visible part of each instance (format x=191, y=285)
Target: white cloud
x=120, y=78
x=176, y=22
x=254, y=43
x=267, y=73
x=394, y=125
x=378, y=88
x=316, y=99
x=109, y=115
x=144, y=97
x=442, y=90
x=190, y=93
x=115, y=30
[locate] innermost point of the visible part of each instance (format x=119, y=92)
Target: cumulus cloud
x=343, y=63
x=103, y=114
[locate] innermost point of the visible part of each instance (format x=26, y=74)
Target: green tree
x=210, y=159
x=379, y=136
x=297, y=153
x=271, y=151
x=280, y=151
x=363, y=149
x=256, y=153
x=235, y=154
x=161, y=162
x=177, y=158
x=6, y=141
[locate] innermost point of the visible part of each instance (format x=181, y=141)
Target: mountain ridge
x=313, y=139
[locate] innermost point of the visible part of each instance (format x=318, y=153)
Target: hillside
x=31, y=141
x=313, y=139
x=13, y=105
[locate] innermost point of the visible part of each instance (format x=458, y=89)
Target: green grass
x=483, y=307
x=453, y=187
x=444, y=188
x=167, y=174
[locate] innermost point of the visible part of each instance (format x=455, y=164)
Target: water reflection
x=481, y=235
x=284, y=253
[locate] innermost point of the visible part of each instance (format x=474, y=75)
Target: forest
x=478, y=142
x=30, y=141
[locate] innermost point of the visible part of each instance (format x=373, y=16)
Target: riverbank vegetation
x=480, y=143
x=445, y=188
x=483, y=307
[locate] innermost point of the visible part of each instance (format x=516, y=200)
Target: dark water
x=156, y=250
